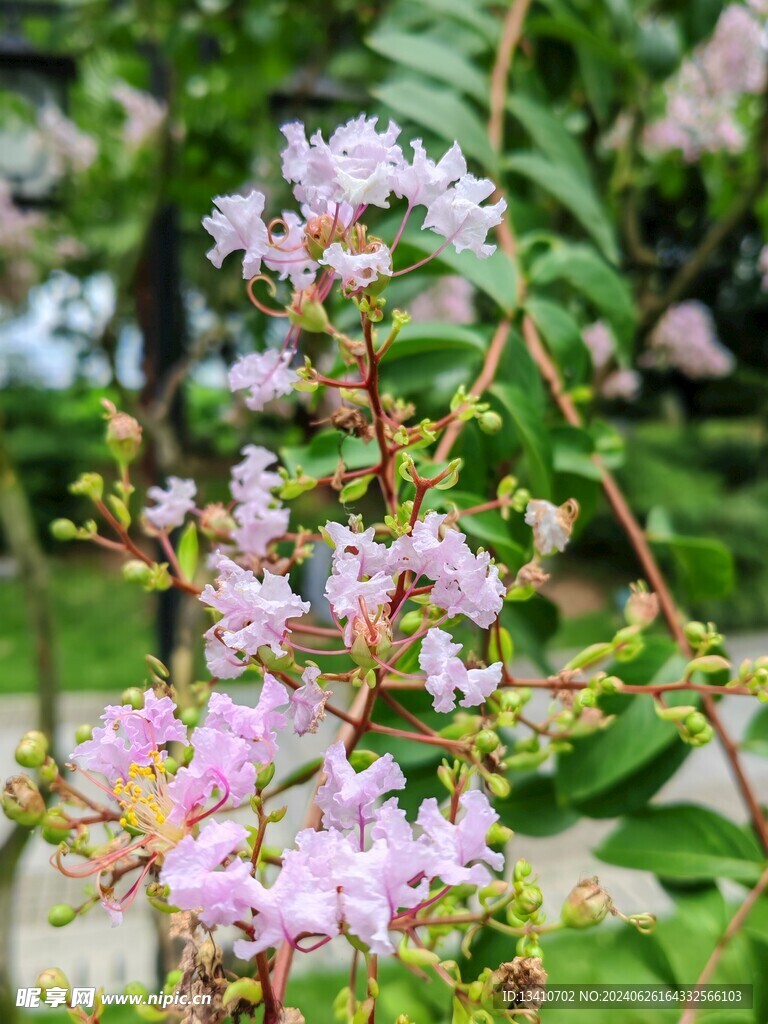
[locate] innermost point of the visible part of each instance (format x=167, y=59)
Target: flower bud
x=586, y=905
x=486, y=741
x=55, y=826
x=311, y=317
x=411, y=622
x=490, y=422
x=528, y=901
x=48, y=771
x=498, y=834
x=63, y=529
x=642, y=606
x=499, y=786
x=61, y=915
x=31, y=751
x=696, y=723
x=90, y=485
x=136, y=571
x=522, y=870
x=277, y=815
x=22, y=802
x=52, y=977
x=695, y=633
x=416, y=956
x=362, y=759
x=133, y=696
x=190, y=717
x=243, y=990
x=83, y=733
x=123, y=437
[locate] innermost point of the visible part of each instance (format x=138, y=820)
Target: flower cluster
x=612, y=383
x=685, y=339
x=702, y=98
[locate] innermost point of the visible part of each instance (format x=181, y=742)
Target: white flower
x=287, y=255
x=458, y=216
x=446, y=673
x=550, y=524
x=266, y=375
x=173, y=503
x=238, y=224
x=422, y=181
x=358, y=270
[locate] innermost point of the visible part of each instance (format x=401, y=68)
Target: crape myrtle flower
x=307, y=704
x=354, y=599
x=254, y=613
x=157, y=813
x=172, y=503
x=423, y=181
x=264, y=375
x=446, y=673
x=330, y=883
x=258, y=514
x=347, y=798
x=458, y=216
x=197, y=881
x=238, y=224
x=287, y=254
x=685, y=339
x=551, y=525
x=359, y=270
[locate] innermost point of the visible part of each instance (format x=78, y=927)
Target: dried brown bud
x=523, y=974
x=531, y=575
x=352, y=422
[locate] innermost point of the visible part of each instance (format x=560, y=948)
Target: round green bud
x=63, y=529
x=586, y=905
x=55, y=826
x=411, y=622
x=136, y=571
x=171, y=765
x=30, y=753
x=133, y=696
x=83, y=733
x=362, y=759
x=529, y=901
x=696, y=723
x=51, y=977
x=522, y=870
x=498, y=834
x=486, y=741
x=190, y=717
x=61, y=915
x=490, y=422
x=49, y=770
x=695, y=633
x=22, y=802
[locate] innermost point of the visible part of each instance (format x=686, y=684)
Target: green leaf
x=604, y=762
x=321, y=456
x=431, y=57
x=685, y=842
x=417, y=339
x=535, y=440
x=573, y=449
x=548, y=133
x=495, y=276
x=562, y=335
x=756, y=736
x=570, y=189
x=468, y=14
x=188, y=550
x=532, y=808
x=442, y=112
x=705, y=565
x=585, y=271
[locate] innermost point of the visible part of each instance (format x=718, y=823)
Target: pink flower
x=257, y=529
x=172, y=503
x=351, y=597
x=252, y=482
x=446, y=673
x=459, y=852
x=622, y=384
x=307, y=704
x=347, y=798
x=685, y=338
x=253, y=614
x=259, y=517
x=369, y=556
x=287, y=255
x=221, y=762
x=599, y=341
x=258, y=725
x=358, y=270
x=144, y=114
x=422, y=181
x=130, y=737
x=551, y=529
x=265, y=375
x=424, y=551
x=470, y=586
x=238, y=224
x=458, y=216
x=194, y=874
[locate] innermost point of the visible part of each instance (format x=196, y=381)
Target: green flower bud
x=265, y=776
x=63, y=529
x=696, y=633
x=61, y=915
x=277, y=815
x=244, y=990
x=83, y=733
x=499, y=786
x=696, y=723
x=133, y=696
x=486, y=741
x=415, y=956
x=136, y=571
x=490, y=422
x=22, y=802
x=55, y=826
x=52, y=977
x=586, y=905
x=529, y=901
x=522, y=870
x=49, y=770
x=362, y=759
x=31, y=751
x=411, y=622
x=498, y=834
x=190, y=717
x=312, y=317
x=90, y=485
